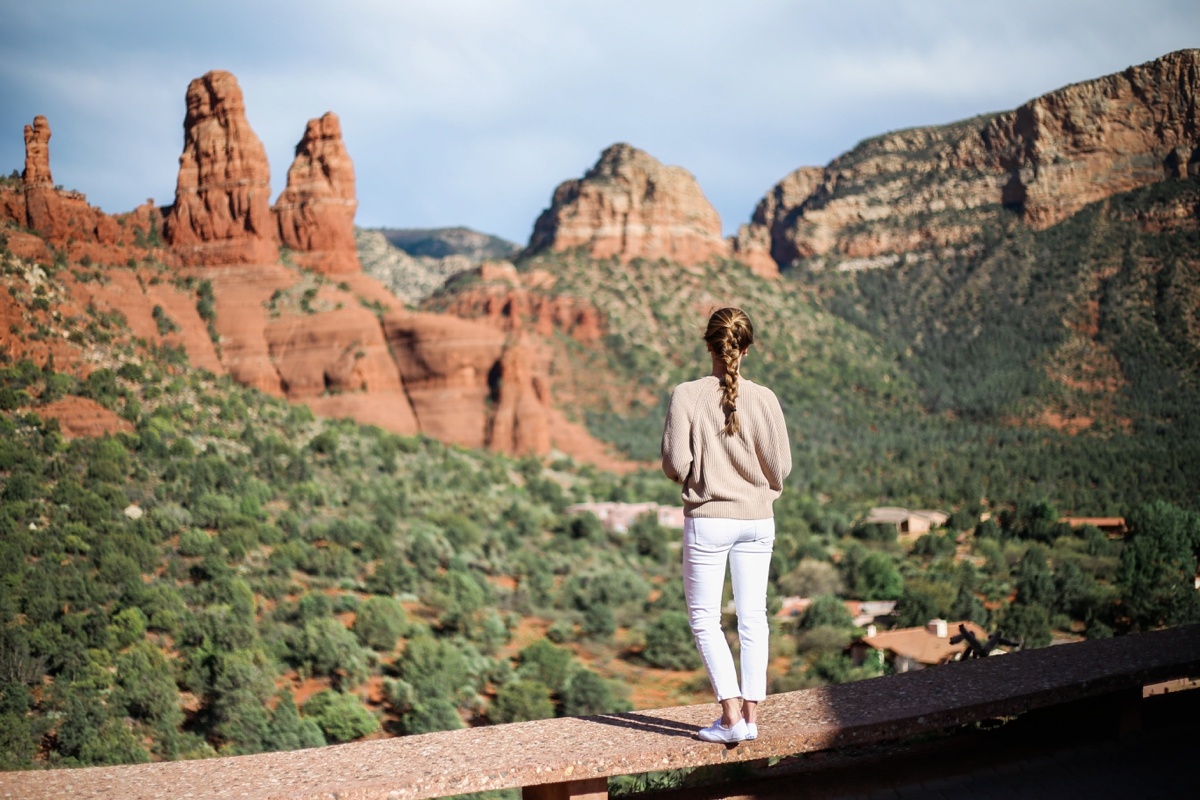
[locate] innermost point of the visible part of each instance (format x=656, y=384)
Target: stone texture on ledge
x=573, y=749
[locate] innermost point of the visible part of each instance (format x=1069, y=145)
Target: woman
x=725, y=441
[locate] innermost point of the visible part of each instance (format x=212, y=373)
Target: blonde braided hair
x=729, y=333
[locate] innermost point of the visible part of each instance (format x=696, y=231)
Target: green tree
x=878, y=578
x=379, y=622
x=429, y=715
x=433, y=667
x=520, y=701
x=145, y=687
x=826, y=610
x=1035, y=584
x=546, y=663
x=325, y=647
x=1028, y=624
x=669, y=642
x=1159, y=564
x=288, y=730
x=341, y=717
x=587, y=693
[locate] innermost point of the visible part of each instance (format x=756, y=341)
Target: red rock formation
x=752, y=244
x=316, y=210
x=513, y=303
x=79, y=417
x=521, y=422
x=629, y=205
x=222, y=211
x=1046, y=160
x=448, y=368
x=59, y=217
x=1095, y=139
x=43, y=212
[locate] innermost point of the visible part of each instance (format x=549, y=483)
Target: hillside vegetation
x=1025, y=366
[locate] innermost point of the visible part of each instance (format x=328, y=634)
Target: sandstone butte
x=630, y=205
x=935, y=186
x=288, y=333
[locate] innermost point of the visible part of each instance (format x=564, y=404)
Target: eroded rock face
x=316, y=210
x=521, y=421
x=1095, y=139
x=630, y=205
x=449, y=367
x=514, y=302
x=752, y=244
x=222, y=211
x=936, y=186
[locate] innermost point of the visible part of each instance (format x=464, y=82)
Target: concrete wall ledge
x=572, y=757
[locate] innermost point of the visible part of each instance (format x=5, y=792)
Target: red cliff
x=937, y=186
x=222, y=211
x=316, y=210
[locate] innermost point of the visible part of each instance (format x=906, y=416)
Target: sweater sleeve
x=677, y=440
x=775, y=453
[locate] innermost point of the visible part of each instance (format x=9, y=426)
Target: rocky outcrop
x=222, y=210
x=752, y=244
x=80, y=417
x=516, y=302
x=59, y=217
x=629, y=205
x=520, y=423
x=411, y=278
x=316, y=209
x=937, y=186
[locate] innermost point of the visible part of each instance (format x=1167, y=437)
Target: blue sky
x=470, y=113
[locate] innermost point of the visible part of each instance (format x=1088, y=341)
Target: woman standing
x=726, y=442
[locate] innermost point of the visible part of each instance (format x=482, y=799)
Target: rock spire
x=222, y=211
x=316, y=210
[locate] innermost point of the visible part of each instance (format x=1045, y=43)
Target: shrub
x=521, y=701
x=669, y=643
x=379, y=623
x=341, y=717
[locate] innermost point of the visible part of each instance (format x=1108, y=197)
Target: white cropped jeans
x=746, y=544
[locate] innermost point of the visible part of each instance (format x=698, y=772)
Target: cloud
x=471, y=111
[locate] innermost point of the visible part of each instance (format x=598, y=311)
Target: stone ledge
x=580, y=750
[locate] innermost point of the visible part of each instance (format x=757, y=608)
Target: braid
x=729, y=388
x=729, y=333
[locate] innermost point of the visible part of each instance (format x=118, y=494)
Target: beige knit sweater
x=732, y=477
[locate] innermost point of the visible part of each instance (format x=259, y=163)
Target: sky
x=471, y=112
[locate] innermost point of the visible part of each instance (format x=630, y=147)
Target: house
x=909, y=649
x=617, y=517
x=1113, y=526
x=906, y=521
x=864, y=612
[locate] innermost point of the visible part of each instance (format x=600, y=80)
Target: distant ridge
x=457, y=241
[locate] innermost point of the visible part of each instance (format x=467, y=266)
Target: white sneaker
x=719, y=733
x=751, y=730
